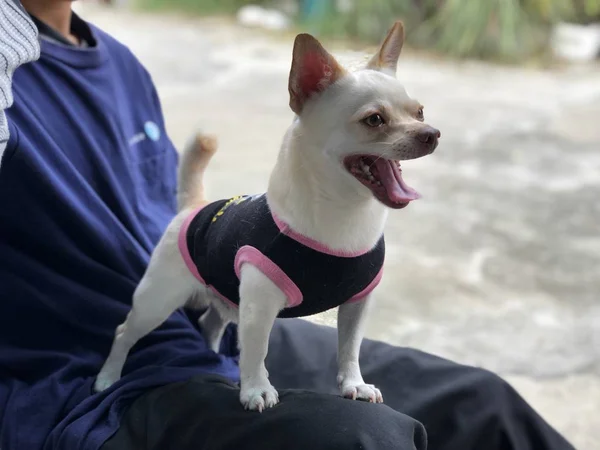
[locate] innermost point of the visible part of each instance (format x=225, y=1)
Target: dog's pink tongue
x=391, y=178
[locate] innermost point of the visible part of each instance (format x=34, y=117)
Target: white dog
x=312, y=242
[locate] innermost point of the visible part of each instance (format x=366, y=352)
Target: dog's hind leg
x=213, y=326
x=150, y=309
x=167, y=285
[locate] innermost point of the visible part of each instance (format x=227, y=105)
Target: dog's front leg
x=351, y=322
x=260, y=303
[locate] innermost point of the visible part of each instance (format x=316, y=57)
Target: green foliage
x=492, y=28
x=500, y=29
x=585, y=11
x=368, y=19
x=198, y=6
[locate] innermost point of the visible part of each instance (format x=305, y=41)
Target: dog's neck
x=320, y=206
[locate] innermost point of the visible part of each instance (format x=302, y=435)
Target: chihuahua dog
x=314, y=241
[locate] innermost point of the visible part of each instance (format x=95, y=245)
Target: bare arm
x=18, y=45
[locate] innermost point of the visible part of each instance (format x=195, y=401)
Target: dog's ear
x=313, y=70
x=389, y=52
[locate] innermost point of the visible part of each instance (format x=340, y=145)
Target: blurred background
x=499, y=264
x=507, y=30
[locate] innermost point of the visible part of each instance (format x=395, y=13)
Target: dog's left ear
x=389, y=52
x=313, y=71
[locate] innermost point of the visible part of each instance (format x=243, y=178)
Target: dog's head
x=360, y=124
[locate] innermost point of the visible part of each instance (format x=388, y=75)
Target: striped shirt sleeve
x=18, y=45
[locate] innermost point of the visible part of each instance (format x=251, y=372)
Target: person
x=87, y=186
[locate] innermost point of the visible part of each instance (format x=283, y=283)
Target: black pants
x=462, y=408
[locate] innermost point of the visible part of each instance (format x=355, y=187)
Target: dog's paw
x=361, y=391
x=104, y=381
x=259, y=397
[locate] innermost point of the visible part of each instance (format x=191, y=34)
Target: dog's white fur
x=310, y=190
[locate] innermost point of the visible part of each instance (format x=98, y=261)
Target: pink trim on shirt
x=366, y=291
x=187, y=258
x=311, y=243
x=249, y=254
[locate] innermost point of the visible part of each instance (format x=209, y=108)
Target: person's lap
x=205, y=414
x=461, y=407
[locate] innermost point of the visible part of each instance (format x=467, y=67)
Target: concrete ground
x=499, y=264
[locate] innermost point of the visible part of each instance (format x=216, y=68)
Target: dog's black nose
x=429, y=136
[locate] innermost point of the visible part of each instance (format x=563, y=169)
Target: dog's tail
x=194, y=161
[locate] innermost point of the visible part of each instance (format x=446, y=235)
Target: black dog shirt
x=218, y=239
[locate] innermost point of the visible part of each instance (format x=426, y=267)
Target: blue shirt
x=87, y=187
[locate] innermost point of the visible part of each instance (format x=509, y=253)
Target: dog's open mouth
x=383, y=177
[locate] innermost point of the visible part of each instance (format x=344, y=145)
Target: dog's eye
x=374, y=121
x=420, y=115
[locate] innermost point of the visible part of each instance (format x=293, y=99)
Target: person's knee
x=492, y=390
x=335, y=423
x=495, y=406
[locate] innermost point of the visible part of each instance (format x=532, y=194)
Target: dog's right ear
x=313, y=71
